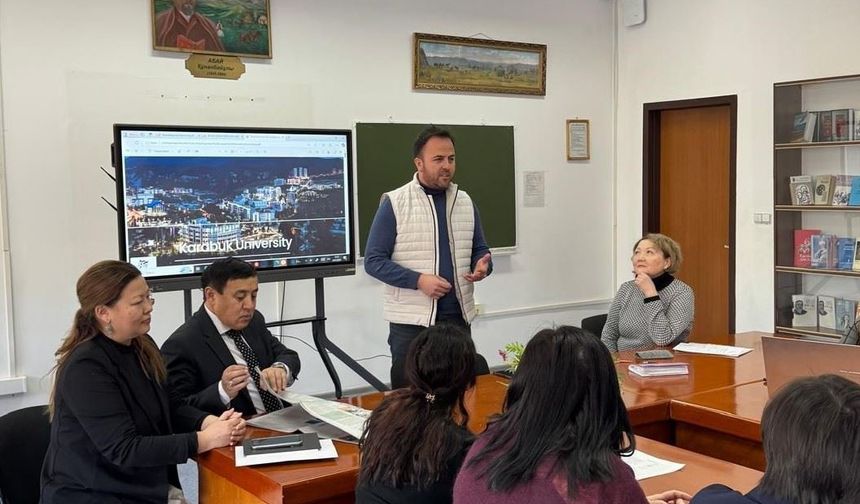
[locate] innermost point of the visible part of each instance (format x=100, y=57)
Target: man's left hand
x=275, y=377
x=481, y=268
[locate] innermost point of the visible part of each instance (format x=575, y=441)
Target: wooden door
x=695, y=205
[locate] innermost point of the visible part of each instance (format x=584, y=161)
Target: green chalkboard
x=485, y=170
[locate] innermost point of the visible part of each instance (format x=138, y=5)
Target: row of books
x=840, y=125
x=823, y=313
x=837, y=190
x=814, y=249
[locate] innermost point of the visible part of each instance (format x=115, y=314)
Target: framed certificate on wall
x=578, y=140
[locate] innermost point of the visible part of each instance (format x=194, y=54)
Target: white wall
x=336, y=62
x=720, y=47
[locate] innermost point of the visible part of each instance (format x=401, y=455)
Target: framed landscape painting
x=226, y=27
x=449, y=63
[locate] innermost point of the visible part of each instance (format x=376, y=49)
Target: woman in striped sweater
x=655, y=308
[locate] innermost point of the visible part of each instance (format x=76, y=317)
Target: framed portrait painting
x=449, y=63
x=225, y=27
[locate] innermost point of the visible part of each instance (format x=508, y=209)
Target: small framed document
x=578, y=140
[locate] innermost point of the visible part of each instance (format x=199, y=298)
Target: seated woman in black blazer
x=811, y=436
x=415, y=441
x=112, y=436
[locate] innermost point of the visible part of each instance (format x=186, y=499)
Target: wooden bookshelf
x=812, y=158
x=816, y=208
x=817, y=271
x=823, y=336
x=814, y=145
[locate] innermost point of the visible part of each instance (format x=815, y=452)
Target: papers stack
x=295, y=418
x=346, y=417
x=661, y=369
x=647, y=466
x=711, y=349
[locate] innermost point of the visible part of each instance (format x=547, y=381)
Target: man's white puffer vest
x=416, y=248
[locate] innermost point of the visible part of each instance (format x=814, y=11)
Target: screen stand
x=324, y=345
x=187, y=296
x=321, y=341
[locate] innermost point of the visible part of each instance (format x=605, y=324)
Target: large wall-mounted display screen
x=280, y=199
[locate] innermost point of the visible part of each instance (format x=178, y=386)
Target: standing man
x=426, y=244
x=224, y=356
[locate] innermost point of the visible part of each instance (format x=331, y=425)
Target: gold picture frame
x=222, y=27
x=446, y=63
x=578, y=139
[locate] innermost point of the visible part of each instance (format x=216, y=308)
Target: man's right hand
x=234, y=379
x=433, y=286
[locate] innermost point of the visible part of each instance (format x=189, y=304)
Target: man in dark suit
x=224, y=356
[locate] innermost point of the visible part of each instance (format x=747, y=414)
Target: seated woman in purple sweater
x=415, y=441
x=811, y=436
x=562, y=433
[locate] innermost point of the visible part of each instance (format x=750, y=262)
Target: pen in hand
x=264, y=383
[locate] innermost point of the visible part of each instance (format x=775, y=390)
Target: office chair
x=481, y=366
x=594, y=324
x=24, y=436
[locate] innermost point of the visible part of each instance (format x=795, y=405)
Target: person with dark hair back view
x=415, y=441
x=561, y=434
x=427, y=246
x=811, y=436
x=224, y=356
x=115, y=437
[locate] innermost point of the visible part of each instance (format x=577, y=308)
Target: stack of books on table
x=659, y=369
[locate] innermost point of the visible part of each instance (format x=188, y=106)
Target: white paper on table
x=295, y=418
x=711, y=349
x=346, y=417
x=647, y=466
x=326, y=451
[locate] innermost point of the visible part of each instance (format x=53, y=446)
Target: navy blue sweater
x=380, y=246
x=721, y=494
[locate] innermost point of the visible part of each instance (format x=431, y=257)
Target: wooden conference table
x=685, y=411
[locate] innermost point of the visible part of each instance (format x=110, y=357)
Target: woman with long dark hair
x=562, y=433
x=112, y=436
x=811, y=436
x=416, y=439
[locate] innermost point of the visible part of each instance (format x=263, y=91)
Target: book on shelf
x=854, y=198
x=824, y=132
x=803, y=129
x=855, y=133
x=856, y=265
x=823, y=253
x=803, y=247
x=841, y=190
x=845, y=313
x=803, y=311
x=827, y=312
x=801, y=189
x=824, y=185
x=845, y=253
x=842, y=124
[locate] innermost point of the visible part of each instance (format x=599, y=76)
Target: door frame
x=651, y=172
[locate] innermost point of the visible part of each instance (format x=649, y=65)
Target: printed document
x=711, y=349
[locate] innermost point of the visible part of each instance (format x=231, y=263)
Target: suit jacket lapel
x=213, y=338
x=216, y=342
